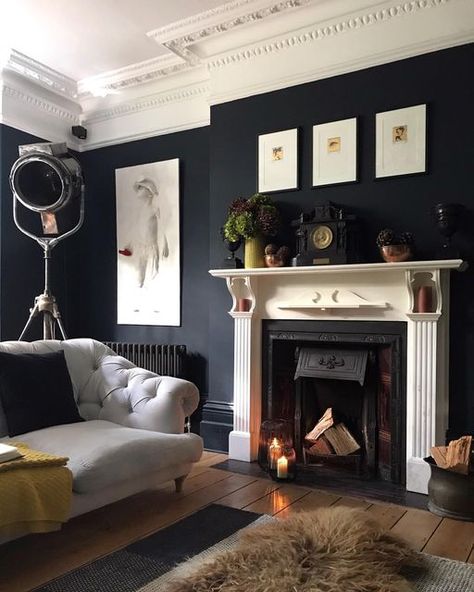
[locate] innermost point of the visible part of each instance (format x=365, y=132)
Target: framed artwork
x=400, y=142
x=148, y=256
x=278, y=161
x=335, y=152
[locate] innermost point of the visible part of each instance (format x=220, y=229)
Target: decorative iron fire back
x=338, y=364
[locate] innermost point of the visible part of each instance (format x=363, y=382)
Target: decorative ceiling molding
x=41, y=74
x=181, y=34
x=146, y=103
x=133, y=75
x=375, y=59
x=36, y=102
x=331, y=29
x=221, y=55
x=221, y=19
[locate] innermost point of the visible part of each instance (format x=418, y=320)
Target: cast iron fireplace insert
x=302, y=401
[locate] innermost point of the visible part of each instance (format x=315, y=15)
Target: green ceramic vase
x=254, y=252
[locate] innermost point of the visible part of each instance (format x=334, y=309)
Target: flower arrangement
x=388, y=237
x=395, y=247
x=250, y=217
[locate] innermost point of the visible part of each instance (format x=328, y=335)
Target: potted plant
x=252, y=220
x=395, y=247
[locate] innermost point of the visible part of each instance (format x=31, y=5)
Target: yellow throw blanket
x=35, y=493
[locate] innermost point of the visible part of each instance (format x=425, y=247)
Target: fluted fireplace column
x=243, y=442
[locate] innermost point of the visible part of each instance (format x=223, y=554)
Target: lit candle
x=282, y=467
x=274, y=453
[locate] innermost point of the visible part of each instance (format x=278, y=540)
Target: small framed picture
x=400, y=142
x=335, y=152
x=278, y=161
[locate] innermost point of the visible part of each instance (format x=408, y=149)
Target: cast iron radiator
x=167, y=360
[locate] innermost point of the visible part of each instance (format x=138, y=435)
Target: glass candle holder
x=274, y=454
x=270, y=429
x=285, y=469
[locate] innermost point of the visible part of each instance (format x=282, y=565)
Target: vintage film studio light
x=46, y=179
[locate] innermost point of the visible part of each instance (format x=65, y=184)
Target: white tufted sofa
x=132, y=439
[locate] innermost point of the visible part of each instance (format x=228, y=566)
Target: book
x=8, y=452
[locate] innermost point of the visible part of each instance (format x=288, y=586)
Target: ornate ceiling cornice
x=33, y=100
x=147, y=103
x=221, y=19
x=330, y=29
x=179, y=36
x=220, y=55
x=133, y=75
x=41, y=74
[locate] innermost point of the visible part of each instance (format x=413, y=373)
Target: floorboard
x=416, y=527
x=352, y=502
x=248, y=494
x=277, y=500
x=103, y=531
x=453, y=539
x=312, y=501
x=386, y=514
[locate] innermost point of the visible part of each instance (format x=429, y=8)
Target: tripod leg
x=33, y=312
x=48, y=325
x=61, y=327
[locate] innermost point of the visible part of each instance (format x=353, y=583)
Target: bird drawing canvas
x=148, y=257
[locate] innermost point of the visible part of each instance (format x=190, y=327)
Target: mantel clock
x=326, y=236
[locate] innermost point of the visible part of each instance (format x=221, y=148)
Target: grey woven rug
x=174, y=552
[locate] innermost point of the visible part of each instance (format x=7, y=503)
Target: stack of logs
x=454, y=457
x=329, y=437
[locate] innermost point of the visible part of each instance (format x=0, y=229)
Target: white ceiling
x=82, y=38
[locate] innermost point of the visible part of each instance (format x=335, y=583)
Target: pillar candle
x=243, y=304
x=274, y=453
x=282, y=468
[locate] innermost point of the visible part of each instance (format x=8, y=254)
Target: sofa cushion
x=36, y=391
x=102, y=453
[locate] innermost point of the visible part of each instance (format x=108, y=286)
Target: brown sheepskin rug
x=328, y=550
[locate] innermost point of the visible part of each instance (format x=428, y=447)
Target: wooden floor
x=34, y=560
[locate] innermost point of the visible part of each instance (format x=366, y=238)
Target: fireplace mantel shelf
x=458, y=264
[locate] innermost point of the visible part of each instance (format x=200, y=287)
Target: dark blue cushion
x=36, y=391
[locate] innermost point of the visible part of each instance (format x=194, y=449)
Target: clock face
x=322, y=237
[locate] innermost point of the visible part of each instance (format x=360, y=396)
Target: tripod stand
x=45, y=303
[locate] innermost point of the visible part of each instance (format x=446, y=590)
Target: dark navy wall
x=94, y=250
x=21, y=263
x=218, y=163
x=443, y=80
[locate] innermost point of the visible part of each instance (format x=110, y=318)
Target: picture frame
x=335, y=152
x=400, y=142
x=277, y=168
x=148, y=244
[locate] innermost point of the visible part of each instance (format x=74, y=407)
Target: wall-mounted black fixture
x=79, y=131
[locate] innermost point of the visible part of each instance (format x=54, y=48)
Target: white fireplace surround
x=371, y=292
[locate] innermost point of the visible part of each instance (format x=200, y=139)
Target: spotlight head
x=45, y=177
